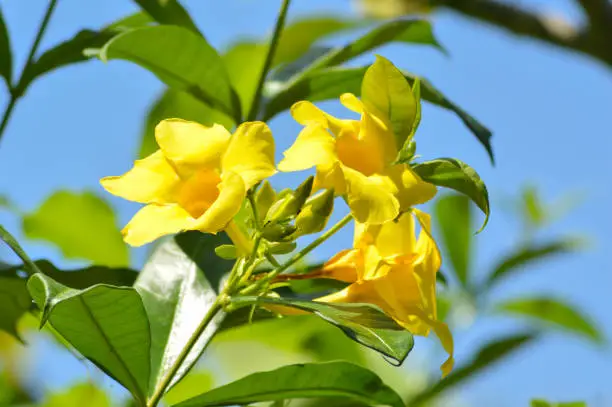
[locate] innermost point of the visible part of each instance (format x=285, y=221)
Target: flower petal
x=189, y=144
x=371, y=199
x=232, y=192
x=351, y=102
x=306, y=113
x=151, y=180
x=344, y=266
x=154, y=221
x=250, y=153
x=314, y=146
x=412, y=190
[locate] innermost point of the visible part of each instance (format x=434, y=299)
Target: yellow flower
x=355, y=158
x=197, y=180
x=388, y=268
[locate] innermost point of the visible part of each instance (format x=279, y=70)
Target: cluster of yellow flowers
x=200, y=176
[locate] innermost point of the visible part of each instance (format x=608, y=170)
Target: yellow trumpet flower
x=197, y=180
x=356, y=159
x=388, y=268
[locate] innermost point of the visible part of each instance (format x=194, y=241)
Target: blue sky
x=549, y=111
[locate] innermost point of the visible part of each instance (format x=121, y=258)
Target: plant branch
x=17, y=91
x=278, y=29
x=522, y=22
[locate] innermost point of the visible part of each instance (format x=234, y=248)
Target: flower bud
x=264, y=198
x=290, y=204
x=281, y=247
x=316, y=213
x=278, y=232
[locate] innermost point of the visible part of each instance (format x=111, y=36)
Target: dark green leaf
x=454, y=219
x=86, y=277
x=332, y=379
x=486, y=357
x=363, y=323
x=6, y=56
x=408, y=31
x=7, y=238
x=172, y=104
x=169, y=12
x=524, y=256
x=77, y=396
x=180, y=58
x=330, y=83
x=106, y=324
x=81, y=225
x=454, y=174
x=14, y=301
x=176, y=296
x=552, y=311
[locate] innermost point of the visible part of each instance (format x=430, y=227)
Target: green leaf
x=330, y=83
x=454, y=174
x=364, y=323
x=385, y=89
x=106, y=324
x=408, y=31
x=6, y=56
x=181, y=59
x=78, y=395
x=544, y=403
x=552, y=311
x=7, y=238
x=487, y=356
x=174, y=103
x=176, y=295
x=190, y=386
x=81, y=225
x=300, y=35
x=331, y=379
x=86, y=277
x=226, y=251
x=14, y=301
x=454, y=219
x=169, y=12
x=524, y=256
x=73, y=50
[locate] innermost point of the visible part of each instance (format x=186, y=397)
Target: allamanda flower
x=197, y=180
x=357, y=157
x=388, y=268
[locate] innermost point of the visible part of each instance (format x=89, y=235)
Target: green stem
x=17, y=91
x=210, y=315
x=298, y=256
x=278, y=29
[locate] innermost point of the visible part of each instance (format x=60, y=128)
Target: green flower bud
x=281, y=247
x=264, y=198
x=290, y=204
x=316, y=213
x=278, y=232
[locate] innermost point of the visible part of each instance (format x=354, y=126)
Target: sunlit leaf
x=516, y=261
x=244, y=77
x=457, y=175
x=81, y=225
x=178, y=104
x=6, y=56
x=180, y=58
x=332, y=379
x=487, y=356
x=544, y=403
x=454, y=220
x=106, y=324
x=168, y=12
x=84, y=394
x=363, y=323
x=330, y=83
x=407, y=31
x=552, y=311
x=176, y=296
x=190, y=386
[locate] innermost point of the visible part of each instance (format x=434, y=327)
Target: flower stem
x=18, y=90
x=278, y=29
x=298, y=256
